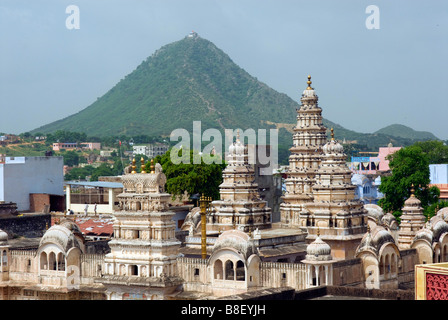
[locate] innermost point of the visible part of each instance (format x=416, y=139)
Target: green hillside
x=191, y=80
x=184, y=81
x=399, y=130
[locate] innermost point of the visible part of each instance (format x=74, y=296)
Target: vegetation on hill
x=399, y=130
x=193, y=80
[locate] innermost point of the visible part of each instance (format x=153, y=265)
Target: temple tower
x=306, y=153
x=240, y=206
x=341, y=219
x=144, y=249
x=412, y=220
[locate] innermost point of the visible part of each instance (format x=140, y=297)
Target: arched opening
x=52, y=261
x=61, y=262
x=4, y=258
x=393, y=267
x=382, y=268
x=229, y=272
x=43, y=261
x=387, y=266
x=217, y=270
x=240, y=271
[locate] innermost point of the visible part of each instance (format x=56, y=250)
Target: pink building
x=382, y=155
x=57, y=146
x=91, y=145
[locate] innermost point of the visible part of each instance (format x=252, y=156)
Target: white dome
x=318, y=250
x=3, y=236
x=333, y=147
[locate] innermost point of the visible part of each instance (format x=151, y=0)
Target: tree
x=436, y=150
x=410, y=169
x=203, y=178
x=103, y=170
x=71, y=158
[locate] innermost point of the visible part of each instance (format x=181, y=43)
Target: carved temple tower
x=341, y=219
x=306, y=153
x=240, y=206
x=144, y=249
x=412, y=221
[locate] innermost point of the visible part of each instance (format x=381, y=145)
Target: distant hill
x=184, y=81
x=190, y=80
x=399, y=130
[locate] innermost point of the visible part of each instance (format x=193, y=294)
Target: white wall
x=20, y=176
x=438, y=173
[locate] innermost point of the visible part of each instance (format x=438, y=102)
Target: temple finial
x=142, y=161
x=152, y=166
x=412, y=191
x=133, y=167
x=309, y=83
x=332, y=134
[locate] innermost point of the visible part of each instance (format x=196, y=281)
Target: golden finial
x=318, y=231
x=332, y=134
x=142, y=161
x=412, y=191
x=133, y=166
x=152, y=166
x=368, y=228
x=309, y=83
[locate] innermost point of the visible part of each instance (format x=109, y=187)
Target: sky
x=369, y=68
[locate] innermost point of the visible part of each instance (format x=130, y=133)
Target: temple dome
x=3, y=237
x=66, y=235
x=237, y=240
x=318, y=250
x=374, y=211
x=333, y=147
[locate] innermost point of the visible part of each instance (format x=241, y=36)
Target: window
x=240, y=271
x=133, y=269
x=196, y=272
x=229, y=272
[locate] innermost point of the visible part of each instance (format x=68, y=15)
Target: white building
x=22, y=176
x=151, y=150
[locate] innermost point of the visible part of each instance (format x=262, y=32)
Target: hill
x=399, y=130
x=184, y=81
x=190, y=80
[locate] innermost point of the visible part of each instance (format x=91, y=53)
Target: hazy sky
x=365, y=78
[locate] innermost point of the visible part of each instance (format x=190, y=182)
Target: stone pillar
x=67, y=196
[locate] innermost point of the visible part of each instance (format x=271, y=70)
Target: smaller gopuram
x=144, y=249
x=240, y=206
x=341, y=219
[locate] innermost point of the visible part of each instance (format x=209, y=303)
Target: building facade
x=22, y=176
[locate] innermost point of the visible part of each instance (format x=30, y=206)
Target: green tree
x=203, y=178
x=436, y=150
x=71, y=158
x=79, y=173
x=410, y=169
x=103, y=170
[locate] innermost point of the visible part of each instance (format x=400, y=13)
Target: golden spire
x=152, y=166
x=332, y=134
x=318, y=231
x=133, y=166
x=412, y=191
x=309, y=83
x=142, y=161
